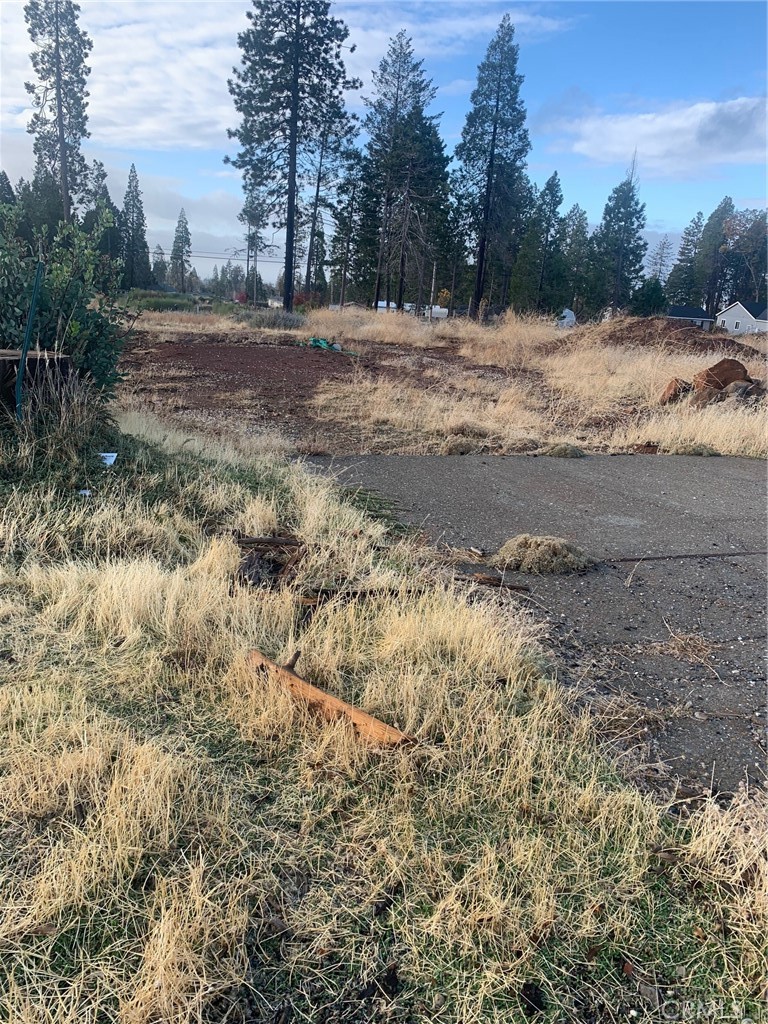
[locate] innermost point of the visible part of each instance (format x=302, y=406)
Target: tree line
x=374, y=209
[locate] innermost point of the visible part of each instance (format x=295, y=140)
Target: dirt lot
x=276, y=383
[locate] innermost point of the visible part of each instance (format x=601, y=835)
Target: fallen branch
x=268, y=542
x=486, y=580
x=369, y=729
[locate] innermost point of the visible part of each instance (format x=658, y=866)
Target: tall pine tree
x=713, y=264
x=291, y=75
x=684, y=285
x=59, y=97
x=493, y=148
x=160, y=267
x=618, y=247
x=404, y=179
x=747, y=243
x=7, y=195
x=576, y=247
x=180, y=253
x=136, y=269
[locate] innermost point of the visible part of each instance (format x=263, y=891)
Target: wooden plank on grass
x=369, y=729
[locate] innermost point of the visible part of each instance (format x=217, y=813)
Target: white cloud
x=159, y=70
x=682, y=141
x=458, y=87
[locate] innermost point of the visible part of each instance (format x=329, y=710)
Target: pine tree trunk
x=347, y=244
x=313, y=223
x=453, y=289
x=293, y=132
x=63, y=163
x=477, y=297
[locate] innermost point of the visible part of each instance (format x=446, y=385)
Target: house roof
x=757, y=310
x=688, y=313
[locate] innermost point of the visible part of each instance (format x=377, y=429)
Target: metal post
x=28, y=336
x=432, y=290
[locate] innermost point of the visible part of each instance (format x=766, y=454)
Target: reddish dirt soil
x=266, y=383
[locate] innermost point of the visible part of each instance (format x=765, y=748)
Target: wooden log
x=268, y=542
x=369, y=729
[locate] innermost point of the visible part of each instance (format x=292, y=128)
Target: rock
x=675, y=390
x=737, y=388
x=704, y=396
x=743, y=391
x=721, y=375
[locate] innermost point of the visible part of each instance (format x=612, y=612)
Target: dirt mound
x=526, y=553
x=655, y=331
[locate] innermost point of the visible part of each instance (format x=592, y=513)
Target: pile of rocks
x=727, y=379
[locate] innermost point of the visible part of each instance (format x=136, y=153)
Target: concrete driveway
x=682, y=637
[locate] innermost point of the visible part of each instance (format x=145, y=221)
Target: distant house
x=694, y=315
x=744, y=318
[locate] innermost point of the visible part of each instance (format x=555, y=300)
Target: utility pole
x=432, y=290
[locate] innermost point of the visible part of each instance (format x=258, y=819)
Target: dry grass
x=596, y=387
x=573, y=387
x=169, y=323
x=182, y=843
x=460, y=411
x=728, y=429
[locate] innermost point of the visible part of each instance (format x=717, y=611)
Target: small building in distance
x=695, y=316
x=744, y=318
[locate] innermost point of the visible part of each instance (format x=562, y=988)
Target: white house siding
x=738, y=315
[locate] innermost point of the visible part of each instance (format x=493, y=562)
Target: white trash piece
x=108, y=458
x=566, y=319
x=85, y=492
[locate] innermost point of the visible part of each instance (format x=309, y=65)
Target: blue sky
x=683, y=82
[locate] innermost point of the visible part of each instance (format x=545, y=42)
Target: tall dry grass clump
x=184, y=842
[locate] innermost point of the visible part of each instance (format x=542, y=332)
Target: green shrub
x=71, y=317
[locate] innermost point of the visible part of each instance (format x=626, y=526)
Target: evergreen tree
x=97, y=198
x=254, y=216
x=538, y=278
x=180, y=253
x=713, y=264
x=747, y=244
x=136, y=269
x=349, y=244
x=325, y=165
x=493, y=148
x=193, y=282
x=7, y=194
x=660, y=258
x=291, y=77
x=618, y=247
x=405, y=180
x=160, y=267
x=649, y=299
x=41, y=207
x=683, y=286
x=60, y=98
x=214, y=283
x=576, y=247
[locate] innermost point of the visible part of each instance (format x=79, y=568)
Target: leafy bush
x=71, y=317
x=270, y=319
